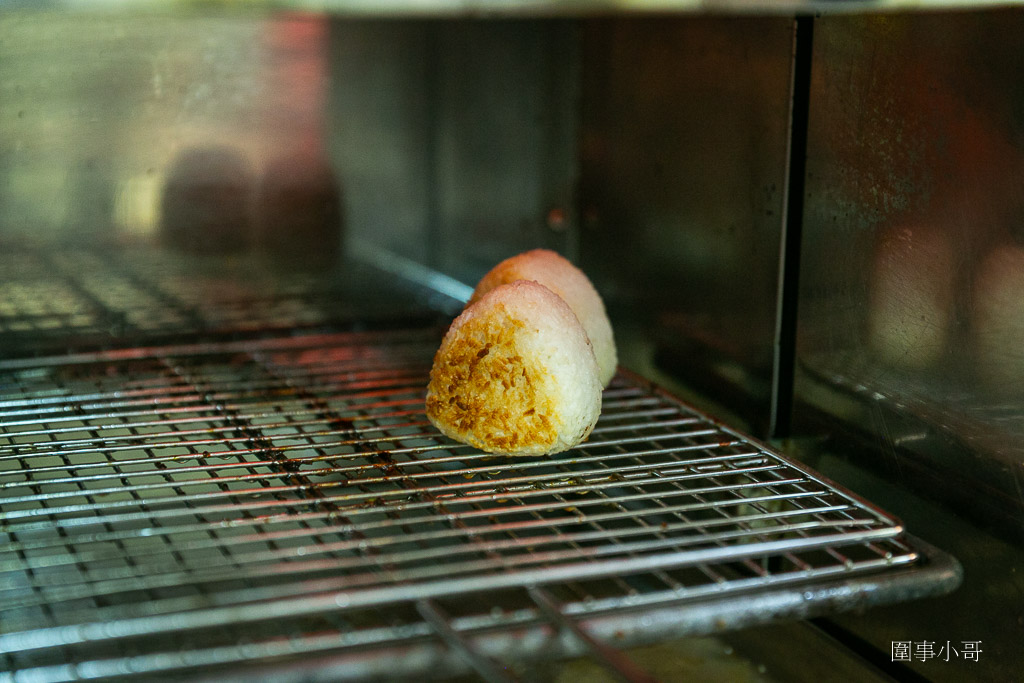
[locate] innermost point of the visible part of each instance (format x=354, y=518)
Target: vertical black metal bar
x=784, y=353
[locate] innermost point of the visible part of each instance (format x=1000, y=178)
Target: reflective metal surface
x=912, y=304
x=456, y=141
x=195, y=133
x=684, y=161
x=912, y=301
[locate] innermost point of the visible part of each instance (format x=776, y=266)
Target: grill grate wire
x=187, y=506
x=52, y=299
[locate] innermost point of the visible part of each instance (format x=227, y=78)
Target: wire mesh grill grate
x=213, y=503
x=55, y=299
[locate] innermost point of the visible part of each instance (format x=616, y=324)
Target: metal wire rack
x=55, y=299
x=284, y=503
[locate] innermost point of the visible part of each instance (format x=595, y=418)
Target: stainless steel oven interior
x=230, y=240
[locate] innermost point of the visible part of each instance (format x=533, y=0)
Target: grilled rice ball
x=516, y=374
x=569, y=282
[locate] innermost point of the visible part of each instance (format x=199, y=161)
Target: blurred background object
x=207, y=205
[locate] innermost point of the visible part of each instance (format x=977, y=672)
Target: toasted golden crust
x=478, y=375
x=573, y=286
x=515, y=375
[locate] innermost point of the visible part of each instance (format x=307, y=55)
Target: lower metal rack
x=52, y=300
x=253, y=508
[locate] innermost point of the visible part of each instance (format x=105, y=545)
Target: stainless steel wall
x=910, y=309
x=453, y=141
x=95, y=109
x=683, y=167
x=456, y=140
x=912, y=298
x=653, y=150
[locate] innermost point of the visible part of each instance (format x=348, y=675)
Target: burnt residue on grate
x=242, y=502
